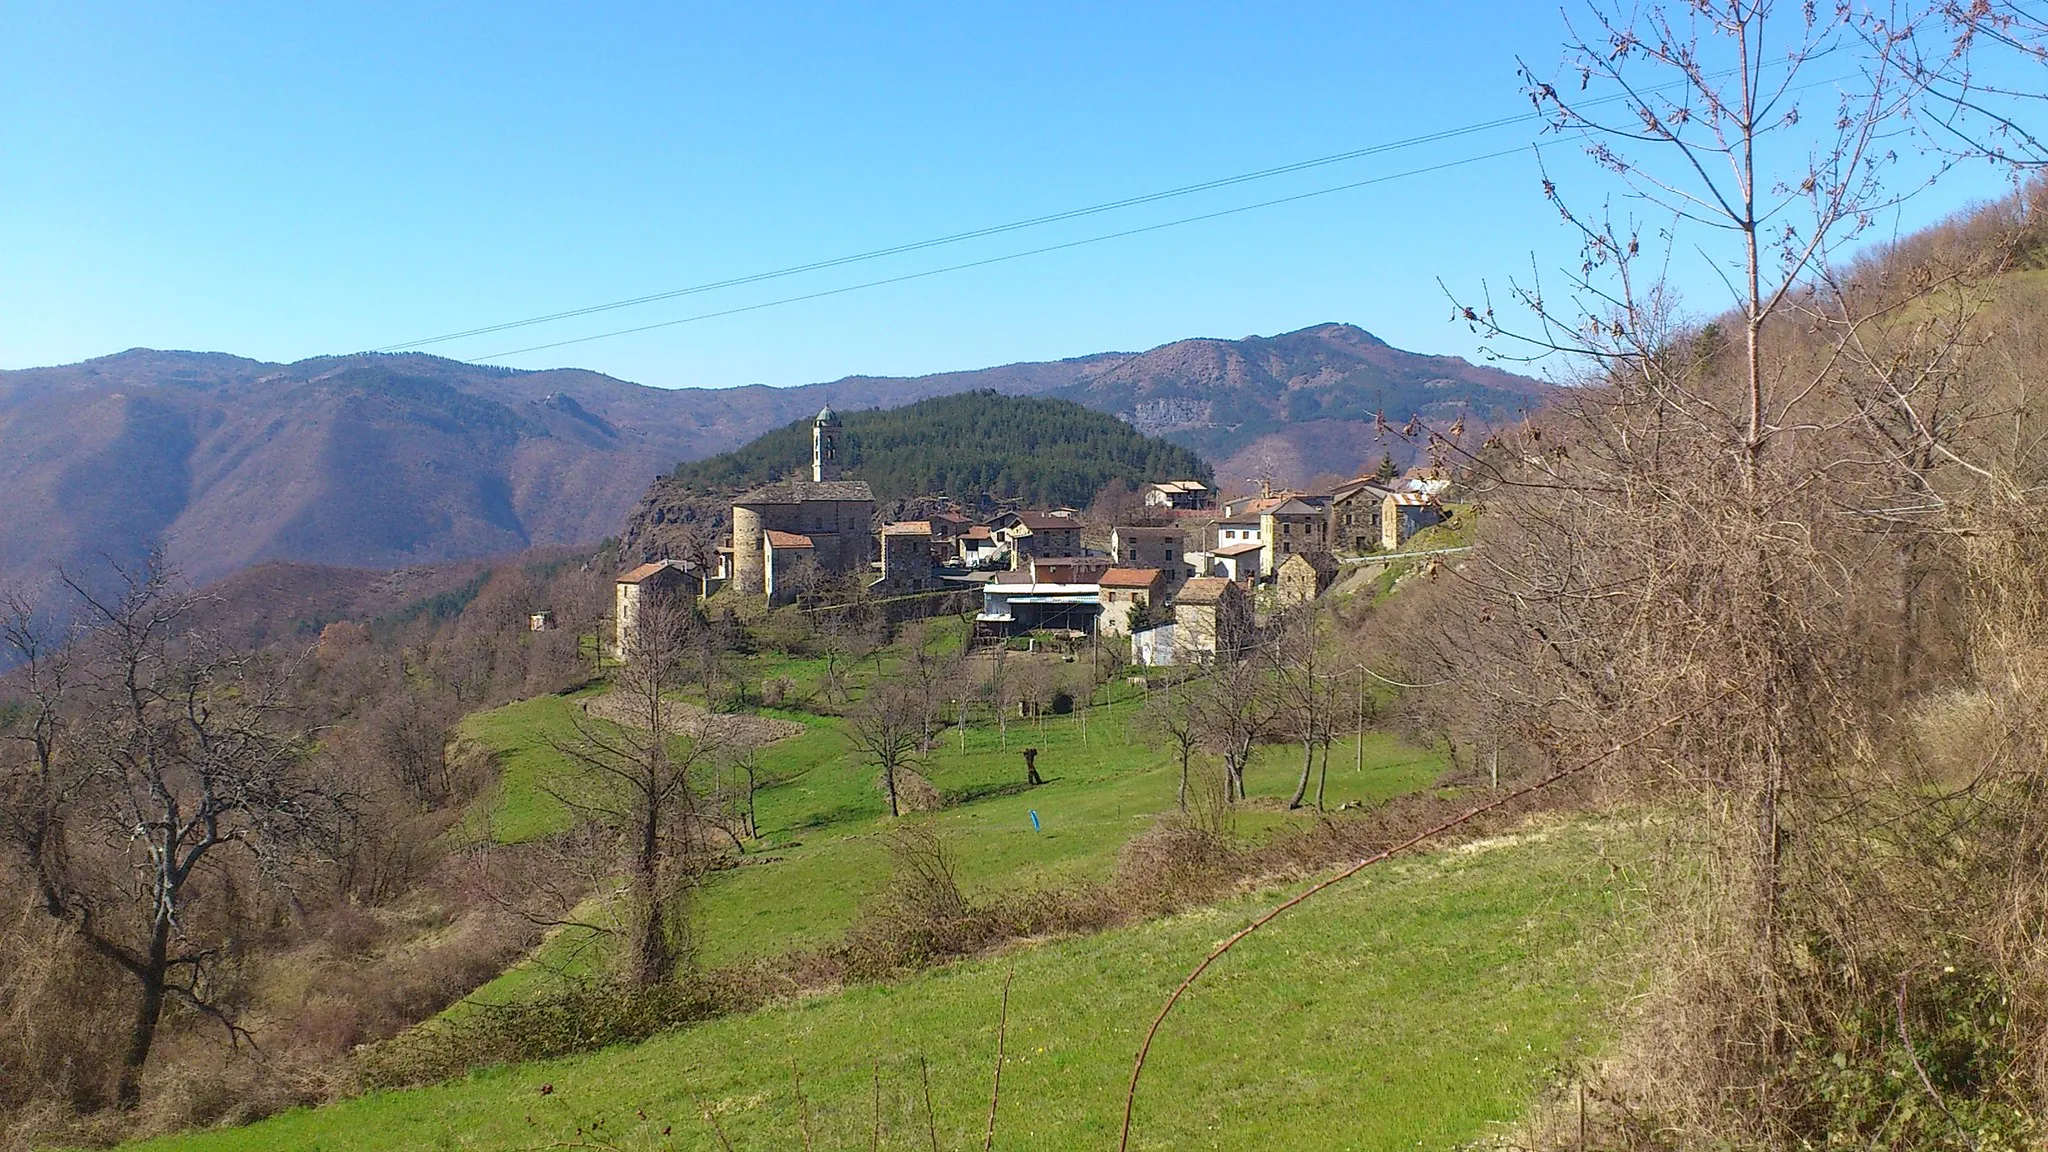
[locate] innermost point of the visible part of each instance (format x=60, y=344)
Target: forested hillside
x=1043, y=452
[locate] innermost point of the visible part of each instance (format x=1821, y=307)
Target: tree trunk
x=1182, y=798
x=652, y=959
x=889, y=783
x=1308, y=767
x=1323, y=779
x=150, y=1010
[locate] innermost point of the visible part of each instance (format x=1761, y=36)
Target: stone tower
x=825, y=446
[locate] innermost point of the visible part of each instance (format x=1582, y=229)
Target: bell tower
x=825, y=445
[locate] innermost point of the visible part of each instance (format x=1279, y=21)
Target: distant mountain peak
x=383, y=460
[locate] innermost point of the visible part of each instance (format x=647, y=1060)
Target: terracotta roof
x=978, y=532
x=1203, y=590
x=645, y=571
x=798, y=491
x=788, y=540
x=908, y=528
x=1240, y=549
x=1130, y=577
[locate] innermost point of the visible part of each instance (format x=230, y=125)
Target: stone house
x=1289, y=529
x=1128, y=593
x=1213, y=620
x=835, y=515
x=907, y=557
x=1354, y=526
x=782, y=554
x=1305, y=576
x=1144, y=547
x=668, y=582
x=1030, y=535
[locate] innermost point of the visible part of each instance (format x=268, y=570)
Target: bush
x=579, y=1018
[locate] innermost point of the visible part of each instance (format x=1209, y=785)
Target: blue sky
x=282, y=181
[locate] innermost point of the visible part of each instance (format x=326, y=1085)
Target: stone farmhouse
x=1127, y=593
x=1305, y=576
x=1212, y=617
x=909, y=557
x=1292, y=528
x=667, y=582
x=1355, y=516
x=1163, y=548
x=1031, y=535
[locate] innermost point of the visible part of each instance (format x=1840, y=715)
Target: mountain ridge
x=391, y=460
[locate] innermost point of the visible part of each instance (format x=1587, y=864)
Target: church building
x=824, y=519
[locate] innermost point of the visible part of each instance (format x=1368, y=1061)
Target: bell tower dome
x=825, y=445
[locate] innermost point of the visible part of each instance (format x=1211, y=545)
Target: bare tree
x=1177, y=724
x=845, y=637
x=886, y=729
x=1237, y=712
x=931, y=673
x=634, y=785
x=160, y=774
x=1307, y=699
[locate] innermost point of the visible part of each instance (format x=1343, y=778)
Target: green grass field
x=822, y=830
x=1421, y=1005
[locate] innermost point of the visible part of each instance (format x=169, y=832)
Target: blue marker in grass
x=1035, y=827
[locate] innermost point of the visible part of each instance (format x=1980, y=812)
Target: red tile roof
x=788, y=540
x=1131, y=577
x=644, y=571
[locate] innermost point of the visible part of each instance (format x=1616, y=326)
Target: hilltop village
x=1181, y=573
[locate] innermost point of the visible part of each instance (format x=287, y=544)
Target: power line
x=977, y=233
x=1036, y=221
x=1008, y=256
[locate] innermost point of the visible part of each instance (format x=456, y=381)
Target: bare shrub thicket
x=210, y=845
x=1754, y=535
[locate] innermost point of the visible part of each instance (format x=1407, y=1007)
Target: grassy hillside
x=1422, y=1006
x=1043, y=452
x=1106, y=784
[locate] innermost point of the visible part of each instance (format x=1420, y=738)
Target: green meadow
x=1423, y=1004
